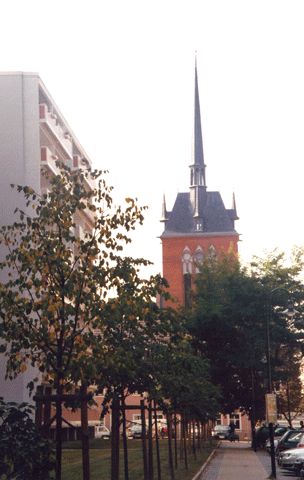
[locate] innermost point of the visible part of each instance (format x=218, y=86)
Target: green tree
x=183, y=381
x=130, y=324
x=290, y=398
x=57, y=278
x=228, y=323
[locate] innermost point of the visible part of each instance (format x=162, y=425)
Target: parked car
x=100, y=431
x=292, y=459
x=278, y=433
x=136, y=430
x=289, y=440
x=221, y=432
x=298, y=467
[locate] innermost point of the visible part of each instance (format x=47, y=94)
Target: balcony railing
x=50, y=120
x=48, y=158
x=83, y=164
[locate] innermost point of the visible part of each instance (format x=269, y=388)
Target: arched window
x=187, y=261
x=212, y=252
x=198, y=258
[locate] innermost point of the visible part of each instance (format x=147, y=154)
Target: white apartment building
x=33, y=132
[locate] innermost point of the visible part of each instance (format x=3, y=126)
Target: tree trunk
x=59, y=390
x=288, y=404
x=85, y=434
x=184, y=441
x=150, y=442
x=157, y=444
x=193, y=438
x=198, y=424
x=143, y=438
x=47, y=413
x=124, y=438
x=115, y=439
x=39, y=408
x=175, y=440
x=253, y=437
x=170, y=457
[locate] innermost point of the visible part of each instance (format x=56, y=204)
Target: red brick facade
x=173, y=249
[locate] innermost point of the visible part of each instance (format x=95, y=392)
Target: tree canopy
x=228, y=323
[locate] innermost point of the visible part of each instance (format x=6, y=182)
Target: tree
x=228, y=324
x=57, y=278
x=282, y=280
x=288, y=384
x=130, y=323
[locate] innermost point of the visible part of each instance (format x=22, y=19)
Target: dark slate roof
x=215, y=217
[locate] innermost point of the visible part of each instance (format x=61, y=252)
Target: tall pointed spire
x=197, y=169
x=198, y=153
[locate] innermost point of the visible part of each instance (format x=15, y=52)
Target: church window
x=198, y=258
x=212, y=252
x=187, y=290
x=187, y=261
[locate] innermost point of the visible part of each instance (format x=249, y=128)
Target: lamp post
x=271, y=408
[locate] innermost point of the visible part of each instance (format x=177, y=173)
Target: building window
x=199, y=225
x=212, y=252
x=236, y=419
x=187, y=290
x=136, y=418
x=187, y=261
x=198, y=258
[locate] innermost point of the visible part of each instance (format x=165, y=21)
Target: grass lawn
x=100, y=458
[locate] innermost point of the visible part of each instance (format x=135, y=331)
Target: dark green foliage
x=184, y=383
x=228, y=321
x=24, y=453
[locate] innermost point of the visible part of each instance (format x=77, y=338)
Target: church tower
x=199, y=225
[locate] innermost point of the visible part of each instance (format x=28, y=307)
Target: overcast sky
x=122, y=74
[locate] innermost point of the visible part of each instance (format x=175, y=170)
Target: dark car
x=221, y=432
x=289, y=440
x=278, y=433
x=262, y=435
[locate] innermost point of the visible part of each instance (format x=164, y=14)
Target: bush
x=24, y=453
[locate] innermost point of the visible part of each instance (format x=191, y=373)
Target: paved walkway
x=237, y=461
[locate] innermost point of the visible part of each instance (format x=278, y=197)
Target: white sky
x=122, y=74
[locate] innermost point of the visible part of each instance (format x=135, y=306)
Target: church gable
x=214, y=216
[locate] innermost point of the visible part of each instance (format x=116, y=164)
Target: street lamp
x=270, y=397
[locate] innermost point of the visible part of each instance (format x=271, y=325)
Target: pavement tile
x=237, y=461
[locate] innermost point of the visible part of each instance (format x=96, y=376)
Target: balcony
x=83, y=164
x=50, y=120
x=48, y=159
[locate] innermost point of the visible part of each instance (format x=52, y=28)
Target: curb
x=197, y=475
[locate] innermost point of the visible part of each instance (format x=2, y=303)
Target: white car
x=289, y=458
x=100, y=431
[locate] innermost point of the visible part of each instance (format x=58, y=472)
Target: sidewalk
x=237, y=461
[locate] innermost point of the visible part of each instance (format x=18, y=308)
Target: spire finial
x=164, y=216
x=234, y=207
